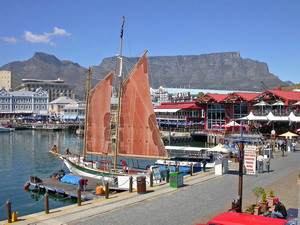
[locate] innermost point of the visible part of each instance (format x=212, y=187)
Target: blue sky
x=86, y=31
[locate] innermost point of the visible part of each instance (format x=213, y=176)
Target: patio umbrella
x=297, y=103
x=219, y=148
x=278, y=103
x=232, y=124
x=288, y=135
x=261, y=103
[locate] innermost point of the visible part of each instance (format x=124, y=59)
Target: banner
x=250, y=159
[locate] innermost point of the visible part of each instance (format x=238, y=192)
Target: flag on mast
x=122, y=27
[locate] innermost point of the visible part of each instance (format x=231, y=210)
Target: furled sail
x=98, y=117
x=138, y=132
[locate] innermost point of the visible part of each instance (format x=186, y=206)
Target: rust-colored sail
x=138, y=132
x=98, y=117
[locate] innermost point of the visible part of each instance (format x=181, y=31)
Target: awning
x=166, y=110
x=271, y=117
x=294, y=118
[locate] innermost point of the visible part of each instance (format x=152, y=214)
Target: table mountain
x=211, y=71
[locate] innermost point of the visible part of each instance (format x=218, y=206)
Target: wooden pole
x=46, y=203
x=78, y=197
x=106, y=190
x=151, y=179
x=88, y=88
x=191, y=169
x=168, y=176
x=8, y=210
x=130, y=183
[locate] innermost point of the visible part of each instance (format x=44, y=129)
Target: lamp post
x=241, y=171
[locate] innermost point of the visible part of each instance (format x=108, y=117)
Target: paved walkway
x=202, y=198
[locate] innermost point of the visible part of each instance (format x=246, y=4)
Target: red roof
x=232, y=218
x=178, y=105
x=247, y=96
x=213, y=97
x=286, y=95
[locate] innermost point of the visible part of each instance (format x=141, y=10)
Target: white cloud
x=60, y=32
x=36, y=38
x=11, y=40
x=45, y=38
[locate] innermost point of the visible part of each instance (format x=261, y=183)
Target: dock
x=55, y=187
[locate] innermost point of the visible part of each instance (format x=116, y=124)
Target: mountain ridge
x=222, y=70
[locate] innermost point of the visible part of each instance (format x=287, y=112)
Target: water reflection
x=25, y=153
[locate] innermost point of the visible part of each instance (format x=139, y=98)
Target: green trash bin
x=176, y=180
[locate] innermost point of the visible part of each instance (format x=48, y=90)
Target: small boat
x=6, y=129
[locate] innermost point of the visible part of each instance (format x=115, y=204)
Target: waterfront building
x=269, y=108
x=74, y=112
x=56, y=107
x=5, y=79
x=55, y=88
x=183, y=94
x=180, y=116
x=17, y=103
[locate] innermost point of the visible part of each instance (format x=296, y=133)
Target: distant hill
x=45, y=66
x=211, y=71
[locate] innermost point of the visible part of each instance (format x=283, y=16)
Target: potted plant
x=270, y=198
x=263, y=203
x=250, y=209
x=257, y=192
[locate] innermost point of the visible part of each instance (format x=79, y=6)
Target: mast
x=119, y=81
x=87, y=91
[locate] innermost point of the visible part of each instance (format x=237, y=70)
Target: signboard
x=250, y=159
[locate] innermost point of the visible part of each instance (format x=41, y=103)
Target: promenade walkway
x=204, y=196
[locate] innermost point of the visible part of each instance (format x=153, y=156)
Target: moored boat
x=6, y=129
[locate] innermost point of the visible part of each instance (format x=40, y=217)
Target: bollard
x=130, y=183
x=191, y=169
x=168, y=176
x=177, y=168
x=8, y=210
x=151, y=179
x=106, y=190
x=46, y=199
x=78, y=197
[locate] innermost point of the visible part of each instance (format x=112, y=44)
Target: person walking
x=204, y=165
x=260, y=162
x=267, y=163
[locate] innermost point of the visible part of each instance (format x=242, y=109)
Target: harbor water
x=24, y=153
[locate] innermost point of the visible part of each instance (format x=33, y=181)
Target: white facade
x=74, y=111
x=23, y=102
x=5, y=79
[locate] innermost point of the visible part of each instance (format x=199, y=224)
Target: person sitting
x=279, y=210
x=67, y=151
x=54, y=149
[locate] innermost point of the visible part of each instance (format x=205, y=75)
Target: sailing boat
x=137, y=130
x=129, y=131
